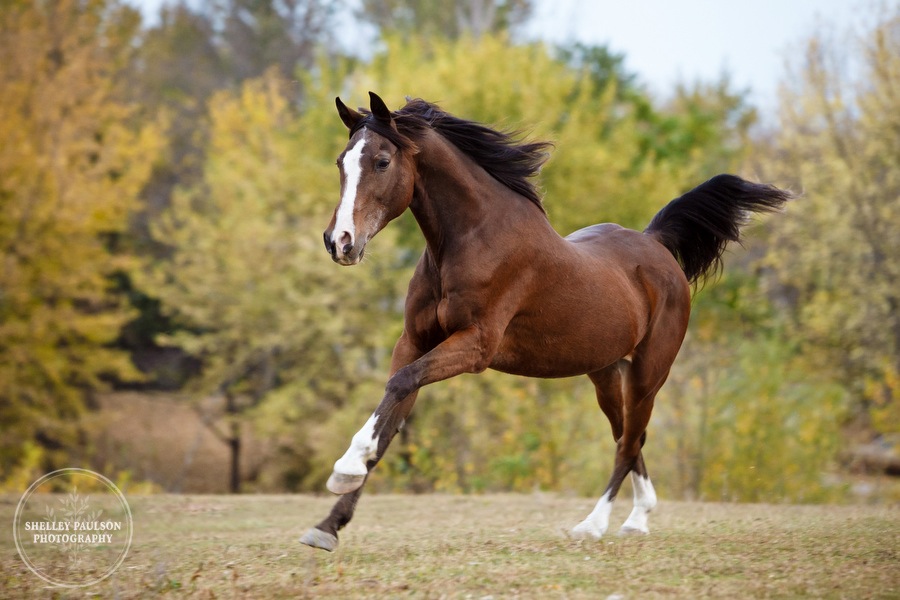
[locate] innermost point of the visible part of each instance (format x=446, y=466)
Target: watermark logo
x=73, y=528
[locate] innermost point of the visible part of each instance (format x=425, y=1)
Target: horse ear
x=349, y=116
x=379, y=109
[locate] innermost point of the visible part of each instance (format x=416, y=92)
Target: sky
x=666, y=42
x=670, y=41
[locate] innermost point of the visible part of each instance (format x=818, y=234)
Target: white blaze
x=352, y=164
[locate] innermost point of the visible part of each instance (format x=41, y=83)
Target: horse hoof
x=629, y=531
x=319, y=539
x=586, y=531
x=340, y=483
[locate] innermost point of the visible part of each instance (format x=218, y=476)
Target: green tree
x=193, y=51
x=72, y=165
x=283, y=338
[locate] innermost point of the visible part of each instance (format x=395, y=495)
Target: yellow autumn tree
x=834, y=259
x=72, y=165
x=284, y=335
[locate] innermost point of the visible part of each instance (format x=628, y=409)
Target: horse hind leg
x=609, y=385
x=644, y=500
x=597, y=522
x=628, y=420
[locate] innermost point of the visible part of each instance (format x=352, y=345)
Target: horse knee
x=400, y=385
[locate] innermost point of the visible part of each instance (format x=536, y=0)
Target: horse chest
x=443, y=314
x=455, y=312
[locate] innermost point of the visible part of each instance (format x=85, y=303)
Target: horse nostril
x=344, y=242
x=329, y=245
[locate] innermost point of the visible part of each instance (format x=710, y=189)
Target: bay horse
x=497, y=287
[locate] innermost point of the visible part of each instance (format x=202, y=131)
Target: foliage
x=745, y=424
x=440, y=18
x=72, y=164
x=190, y=53
x=247, y=278
x=833, y=260
x=192, y=166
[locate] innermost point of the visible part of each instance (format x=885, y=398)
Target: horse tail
x=697, y=226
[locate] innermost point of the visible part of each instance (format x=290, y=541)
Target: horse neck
x=455, y=199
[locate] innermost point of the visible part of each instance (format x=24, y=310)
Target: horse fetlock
x=353, y=463
x=349, y=474
x=351, y=469
x=644, y=493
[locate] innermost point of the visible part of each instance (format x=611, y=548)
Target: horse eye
x=382, y=164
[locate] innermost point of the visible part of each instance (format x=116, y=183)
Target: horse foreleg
x=369, y=443
x=325, y=534
x=363, y=448
x=460, y=353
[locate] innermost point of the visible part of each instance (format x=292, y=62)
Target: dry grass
x=499, y=546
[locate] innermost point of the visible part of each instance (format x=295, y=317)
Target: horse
x=497, y=287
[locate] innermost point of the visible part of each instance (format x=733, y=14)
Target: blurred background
x=169, y=318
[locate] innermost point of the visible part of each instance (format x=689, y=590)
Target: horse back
x=593, y=297
x=643, y=258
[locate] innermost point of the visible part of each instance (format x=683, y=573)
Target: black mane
x=509, y=160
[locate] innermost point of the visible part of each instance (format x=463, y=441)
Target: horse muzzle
x=344, y=251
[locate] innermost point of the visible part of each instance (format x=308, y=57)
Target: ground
x=492, y=546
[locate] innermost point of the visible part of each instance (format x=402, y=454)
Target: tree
x=833, y=262
x=176, y=69
x=72, y=164
x=740, y=418
x=435, y=18
x=195, y=50
x=260, y=34
x=281, y=337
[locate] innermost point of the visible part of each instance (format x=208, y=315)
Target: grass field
x=495, y=546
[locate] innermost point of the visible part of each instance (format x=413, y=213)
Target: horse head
x=377, y=180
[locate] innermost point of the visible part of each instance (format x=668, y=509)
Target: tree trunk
x=234, y=444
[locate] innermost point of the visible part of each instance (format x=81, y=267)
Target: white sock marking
x=644, y=502
x=596, y=523
x=352, y=171
x=363, y=448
